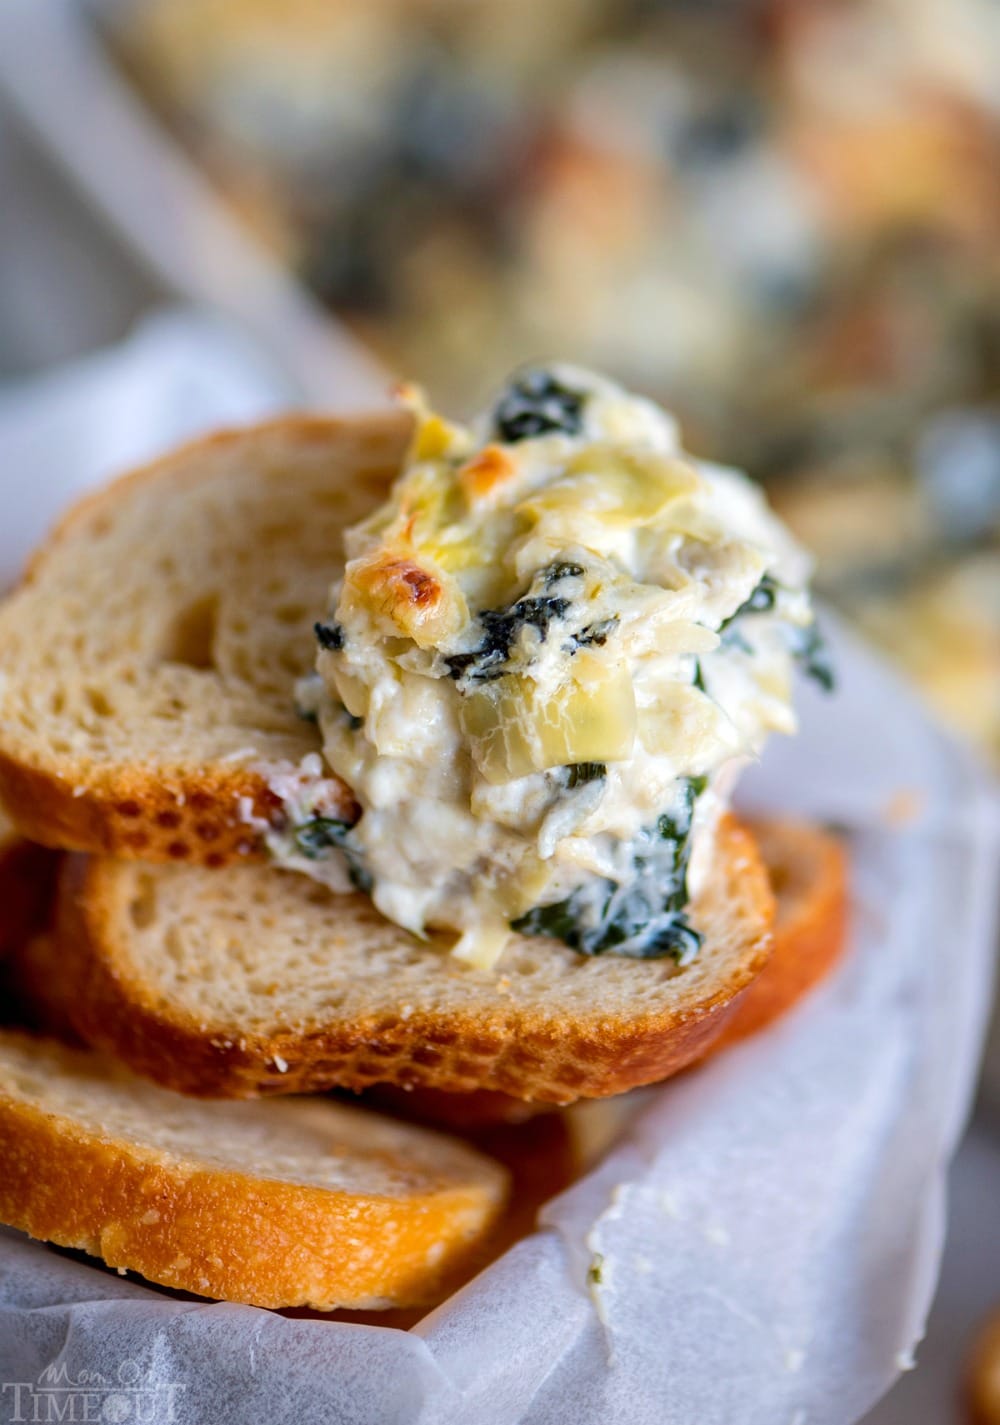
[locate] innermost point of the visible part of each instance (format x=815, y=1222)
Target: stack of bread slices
x=172, y=996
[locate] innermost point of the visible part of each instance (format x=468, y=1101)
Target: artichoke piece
x=618, y=487
x=428, y=503
x=353, y=692
x=685, y=723
x=493, y=719
x=515, y=729
x=423, y=502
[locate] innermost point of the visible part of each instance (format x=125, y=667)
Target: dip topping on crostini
x=552, y=649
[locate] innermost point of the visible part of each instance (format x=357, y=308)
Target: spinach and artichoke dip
x=551, y=650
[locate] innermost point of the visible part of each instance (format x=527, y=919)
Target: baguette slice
x=255, y=981
x=288, y=1203
x=148, y=658
x=808, y=870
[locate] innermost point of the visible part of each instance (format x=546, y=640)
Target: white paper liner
x=768, y=1234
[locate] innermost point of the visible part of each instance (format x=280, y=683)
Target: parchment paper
x=767, y=1235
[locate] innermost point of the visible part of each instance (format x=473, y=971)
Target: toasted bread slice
x=277, y=1204
x=807, y=868
x=255, y=981
x=149, y=656
x=808, y=871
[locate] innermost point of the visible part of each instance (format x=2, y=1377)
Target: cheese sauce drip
x=551, y=650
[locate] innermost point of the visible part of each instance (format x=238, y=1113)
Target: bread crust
x=298, y=426
x=808, y=870
x=188, y=813
x=234, y=1236
x=807, y=867
x=194, y=816
x=540, y=1055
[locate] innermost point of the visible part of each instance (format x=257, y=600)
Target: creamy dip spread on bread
x=552, y=648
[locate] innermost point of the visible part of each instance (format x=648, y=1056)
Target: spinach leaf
x=579, y=773
x=594, y=635
x=329, y=636
x=808, y=645
x=643, y=916
x=538, y=609
x=501, y=628
x=813, y=657
x=677, y=827
x=760, y=601
x=534, y=404
x=559, y=921
x=562, y=569
x=317, y=838
x=313, y=839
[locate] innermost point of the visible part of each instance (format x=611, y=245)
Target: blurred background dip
x=780, y=217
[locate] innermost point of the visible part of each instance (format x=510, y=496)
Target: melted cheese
x=519, y=607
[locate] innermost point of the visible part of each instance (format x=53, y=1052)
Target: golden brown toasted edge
x=529, y=1054
x=807, y=866
x=133, y=814
x=296, y=425
x=193, y=814
x=232, y=1236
